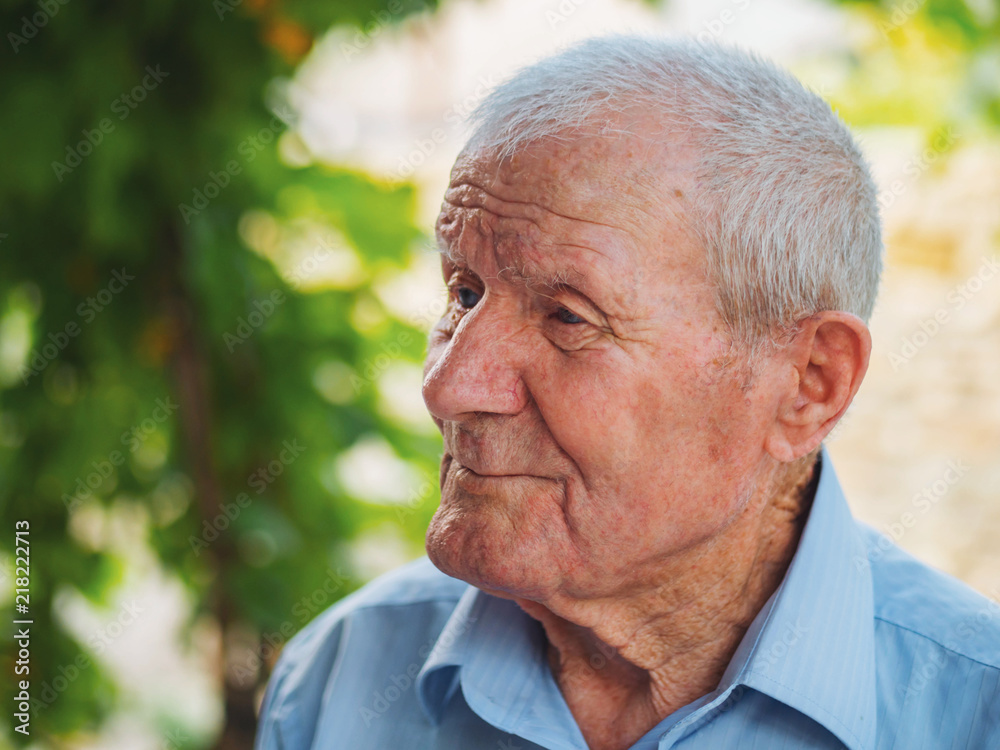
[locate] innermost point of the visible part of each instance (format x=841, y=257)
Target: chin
x=485, y=549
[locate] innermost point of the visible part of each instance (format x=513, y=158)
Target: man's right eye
x=467, y=298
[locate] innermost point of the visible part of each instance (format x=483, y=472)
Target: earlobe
x=779, y=448
x=829, y=357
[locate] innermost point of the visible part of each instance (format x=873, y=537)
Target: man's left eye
x=565, y=316
x=466, y=297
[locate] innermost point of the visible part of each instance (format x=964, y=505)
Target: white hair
x=787, y=208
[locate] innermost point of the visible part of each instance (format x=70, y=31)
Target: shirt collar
x=435, y=679
x=811, y=647
x=504, y=674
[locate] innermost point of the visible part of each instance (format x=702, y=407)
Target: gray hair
x=787, y=208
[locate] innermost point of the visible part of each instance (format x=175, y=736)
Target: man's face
x=593, y=421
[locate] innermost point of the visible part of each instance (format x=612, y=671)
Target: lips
x=485, y=473
x=481, y=484
x=478, y=471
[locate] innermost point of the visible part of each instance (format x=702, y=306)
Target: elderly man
x=660, y=257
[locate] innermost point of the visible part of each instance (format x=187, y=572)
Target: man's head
x=659, y=258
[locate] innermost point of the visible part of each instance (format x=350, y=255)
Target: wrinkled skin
x=605, y=464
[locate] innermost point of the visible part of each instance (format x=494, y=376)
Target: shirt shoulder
x=413, y=600
x=417, y=583
x=937, y=645
x=911, y=595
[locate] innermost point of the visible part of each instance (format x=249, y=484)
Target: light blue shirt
x=861, y=646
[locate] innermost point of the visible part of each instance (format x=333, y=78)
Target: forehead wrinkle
x=468, y=204
x=507, y=241
x=514, y=269
x=450, y=231
x=470, y=195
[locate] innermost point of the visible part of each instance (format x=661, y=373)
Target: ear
x=825, y=364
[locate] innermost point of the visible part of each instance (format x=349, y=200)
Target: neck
x=624, y=665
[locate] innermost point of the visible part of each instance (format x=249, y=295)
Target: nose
x=479, y=369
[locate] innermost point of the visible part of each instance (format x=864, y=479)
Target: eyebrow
x=542, y=283
x=525, y=274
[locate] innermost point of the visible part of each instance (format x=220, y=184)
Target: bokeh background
x=215, y=284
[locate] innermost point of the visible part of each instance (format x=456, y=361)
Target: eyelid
x=574, y=314
x=461, y=274
x=583, y=307
x=582, y=300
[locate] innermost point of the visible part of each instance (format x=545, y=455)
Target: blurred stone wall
x=923, y=436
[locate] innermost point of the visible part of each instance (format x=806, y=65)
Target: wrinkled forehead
x=623, y=200
x=620, y=176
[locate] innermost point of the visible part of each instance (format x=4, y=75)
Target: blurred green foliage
x=123, y=305
x=929, y=63
x=140, y=164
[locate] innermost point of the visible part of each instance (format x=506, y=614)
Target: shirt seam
x=293, y=647
x=937, y=642
x=376, y=605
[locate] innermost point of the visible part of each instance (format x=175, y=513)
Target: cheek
x=593, y=412
x=581, y=403
x=682, y=434
x=689, y=391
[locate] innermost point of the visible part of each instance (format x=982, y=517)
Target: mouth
x=450, y=460
x=470, y=479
